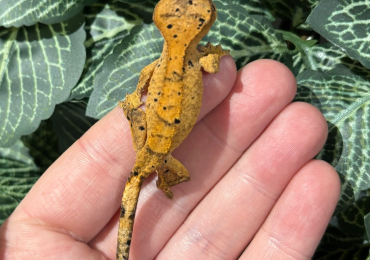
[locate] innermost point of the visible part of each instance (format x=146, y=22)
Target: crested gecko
x=174, y=92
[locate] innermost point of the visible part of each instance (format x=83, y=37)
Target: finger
x=82, y=190
x=299, y=219
x=227, y=219
x=261, y=91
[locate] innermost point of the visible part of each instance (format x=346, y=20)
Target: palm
x=253, y=183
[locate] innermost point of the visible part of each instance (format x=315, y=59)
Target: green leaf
x=367, y=224
x=120, y=71
x=300, y=44
x=345, y=23
x=28, y=12
x=39, y=66
x=344, y=99
x=248, y=37
x=107, y=24
x=252, y=7
x=347, y=196
x=338, y=245
x=134, y=1
x=17, y=175
x=327, y=56
x=143, y=10
x=351, y=220
x=320, y=57
x=294, y=10
x=70, y=123
x=43, y=145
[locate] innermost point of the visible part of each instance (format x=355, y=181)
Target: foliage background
x=61, y=60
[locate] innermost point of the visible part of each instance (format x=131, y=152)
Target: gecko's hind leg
x=210, y=61
x=133, y=113
x=172, y=173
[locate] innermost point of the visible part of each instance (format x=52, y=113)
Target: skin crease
x=175, y=89
x=73, y=209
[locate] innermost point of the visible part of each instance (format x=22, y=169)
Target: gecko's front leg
x=211, y=55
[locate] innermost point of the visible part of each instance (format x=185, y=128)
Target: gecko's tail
x=127, y=216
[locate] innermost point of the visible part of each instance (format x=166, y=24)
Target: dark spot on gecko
x=166, y=170
x=155, y=100
x=149, y=93
x=177, y=9
x=208, y=11
x=128, y=179
x=128, y=242
x=183, y=69
x=152, y=166
x=142, y=128
x=159, y=65
x=165, y=161
x=175, y=36
x=164, y=108
x=170, y=58
x=185, y=45
x=142, y=177
x=177, y=121
x=179, y=93
x=169, y=26
x=176, y=76
x=190, y=2
x=128, y=118
x=190, y=63
x=122, y=211
x=159, y=93
x=201, y=20
x=131, y=125
x=136, y=173
x=132, y=215
x=192, y=97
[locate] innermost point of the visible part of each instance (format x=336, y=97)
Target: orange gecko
x=174, y=93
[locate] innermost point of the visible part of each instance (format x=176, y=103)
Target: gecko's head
x=182, y=21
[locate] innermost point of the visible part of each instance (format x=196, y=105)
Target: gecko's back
x=175, y=90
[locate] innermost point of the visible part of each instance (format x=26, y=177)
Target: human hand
x=253, y=184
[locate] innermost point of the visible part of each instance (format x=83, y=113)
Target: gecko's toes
x=168, y=193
